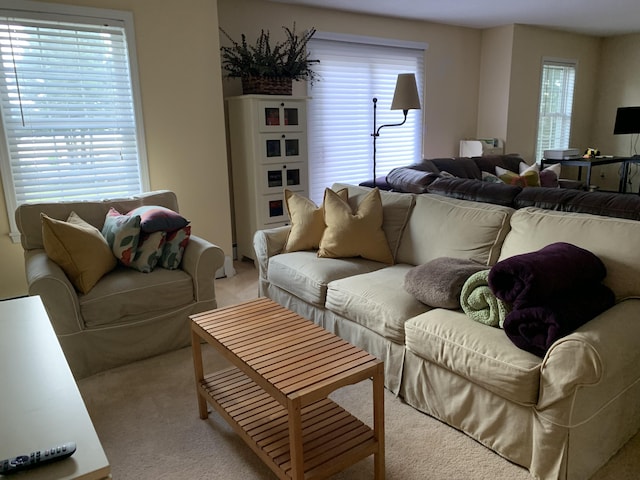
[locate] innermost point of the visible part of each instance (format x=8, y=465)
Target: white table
x=40, y=404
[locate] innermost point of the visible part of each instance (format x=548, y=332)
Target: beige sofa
x=127, y=315
x=562, y=416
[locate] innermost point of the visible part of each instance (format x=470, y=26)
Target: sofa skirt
x=94, y=350
x=518, y=432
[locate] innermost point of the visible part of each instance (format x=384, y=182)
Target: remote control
x=37, y=458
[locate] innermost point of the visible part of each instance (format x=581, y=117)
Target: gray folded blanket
x=479, y=302
x=438, y=283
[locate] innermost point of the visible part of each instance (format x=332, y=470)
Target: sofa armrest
x=268, y=243
x=201, y=260
x=46, y=279
x=584, y=371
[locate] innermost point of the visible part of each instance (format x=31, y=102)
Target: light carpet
x=146, y=416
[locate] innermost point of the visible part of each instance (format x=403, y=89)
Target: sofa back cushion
x=476, y=190
x=93, y=212
x=578, y=201
x=462, y=167
x=488, y=163
x=614, y=240
x=448, y=227
x=396, y=208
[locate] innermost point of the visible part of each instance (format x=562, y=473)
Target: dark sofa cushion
x=488, y=163
x=569, y=200
x=463, y=167
x=476, y=190
x=406, y=179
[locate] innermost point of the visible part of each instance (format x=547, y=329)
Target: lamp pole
x=376, y=133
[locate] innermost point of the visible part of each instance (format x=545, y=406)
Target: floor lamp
x=405, y=98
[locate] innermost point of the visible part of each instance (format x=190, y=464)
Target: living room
x=478, y=83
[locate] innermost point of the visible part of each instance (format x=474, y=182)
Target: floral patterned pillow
x=149, y=251
x=174, y=246
x=122, y=233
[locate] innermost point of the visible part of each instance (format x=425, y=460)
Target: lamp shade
x=627, y=120
x=406, y=96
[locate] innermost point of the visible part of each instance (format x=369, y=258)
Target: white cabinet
x=268, y=136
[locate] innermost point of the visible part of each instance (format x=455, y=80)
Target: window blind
x=556, y=104
x=68, y=111
x=340, y=116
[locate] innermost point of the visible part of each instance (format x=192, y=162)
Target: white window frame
x=74, y=14
x=564, y=115
x=349, y=143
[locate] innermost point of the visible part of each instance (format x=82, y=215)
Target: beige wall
x=511, y=70
x=607, y=77
x=179, y=64
x=530, y=46
x=495, y=83
x=619, y=79
x=451, y=61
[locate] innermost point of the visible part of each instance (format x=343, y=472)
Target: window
x=71, y=126
x=353, y=71
x=556, y=103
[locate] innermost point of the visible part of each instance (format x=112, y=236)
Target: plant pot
x=267, y=85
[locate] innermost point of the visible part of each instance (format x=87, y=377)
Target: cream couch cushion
x=608, y=238
x=376, y=300
x=305, y=275
x=447, y=227
x=126, y=295
x=483, y=355
x=93, y=212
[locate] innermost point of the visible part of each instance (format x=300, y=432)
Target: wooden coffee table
x=275, y=395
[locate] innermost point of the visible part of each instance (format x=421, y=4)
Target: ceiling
x=592, y=17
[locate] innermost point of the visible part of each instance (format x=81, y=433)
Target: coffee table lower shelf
x=332, y=438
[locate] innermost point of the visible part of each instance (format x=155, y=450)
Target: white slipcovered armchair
x=128, y=315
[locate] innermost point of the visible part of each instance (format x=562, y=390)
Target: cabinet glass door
x=282, y=115
x=273, y=147
x=283, y=146
x=271, y=116
x=273, y=209
x=291, y=116
x=276, y=177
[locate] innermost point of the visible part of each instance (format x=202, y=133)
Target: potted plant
x=266, y=68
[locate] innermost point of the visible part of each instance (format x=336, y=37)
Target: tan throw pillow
x=359, y=234
x=529, y=178
x=79, y=248
x=307, y=221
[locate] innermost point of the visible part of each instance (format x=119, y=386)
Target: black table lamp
x=627, y=122
x=405, y=98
